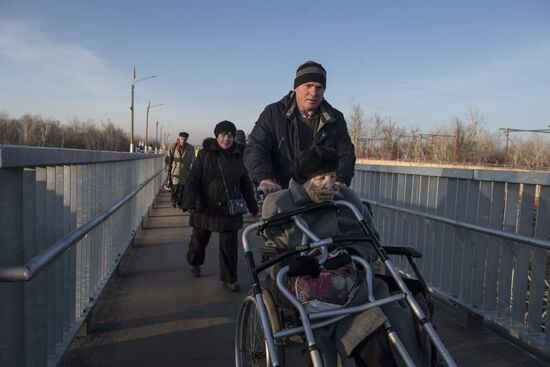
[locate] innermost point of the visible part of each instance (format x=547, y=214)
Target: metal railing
x=66, y=218
x=484, y=235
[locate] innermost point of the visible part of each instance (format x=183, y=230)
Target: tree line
x=465, y=141
x=35, y=130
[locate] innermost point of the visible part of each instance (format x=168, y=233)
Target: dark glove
x=304, y=265
x=338, y=261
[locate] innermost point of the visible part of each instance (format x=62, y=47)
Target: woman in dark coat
x=206, y=195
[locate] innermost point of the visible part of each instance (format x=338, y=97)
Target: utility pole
x=134, y=81
x=147, y=122
x=507, y=132
x=157, y=139
x=132, y=109
x=506, y=149
x=161, y=138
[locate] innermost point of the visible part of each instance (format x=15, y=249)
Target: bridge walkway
x=154, y=313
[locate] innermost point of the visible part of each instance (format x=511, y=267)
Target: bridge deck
x=155, y=314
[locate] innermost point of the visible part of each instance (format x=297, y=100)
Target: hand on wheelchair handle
x=268, y=186
x=304, y=265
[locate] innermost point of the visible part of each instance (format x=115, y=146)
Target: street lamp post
x=161, y=143
x=506, y=149
x=157, y=138
x=132, y=109
x=134, y=81
x=147, y=122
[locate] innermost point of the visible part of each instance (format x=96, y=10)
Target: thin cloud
x=518, y=69
x=22, y=43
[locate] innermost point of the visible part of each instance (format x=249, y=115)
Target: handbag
x=235, y=206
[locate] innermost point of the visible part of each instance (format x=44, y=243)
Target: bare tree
x=532, y=152
x=356, y=129
x=37, y=131
x=9, y=129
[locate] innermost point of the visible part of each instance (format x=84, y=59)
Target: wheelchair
x=271, y=320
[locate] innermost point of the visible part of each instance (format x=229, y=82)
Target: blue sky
x=422, y=63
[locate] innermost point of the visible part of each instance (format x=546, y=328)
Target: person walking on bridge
x=178, y=161
x=218, y=178
x=301, y=119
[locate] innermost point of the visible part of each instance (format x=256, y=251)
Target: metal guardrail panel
x=47, y=196
x=516, y=176
x=484, y=235
x=26, y=156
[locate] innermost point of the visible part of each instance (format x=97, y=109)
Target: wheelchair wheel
x=250, y=346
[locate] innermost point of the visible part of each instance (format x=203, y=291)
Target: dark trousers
x=177, y=194
x=228, y=249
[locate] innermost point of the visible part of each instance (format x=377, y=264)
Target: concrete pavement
x=154, y=313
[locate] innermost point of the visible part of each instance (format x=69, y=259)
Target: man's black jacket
x=274, y=141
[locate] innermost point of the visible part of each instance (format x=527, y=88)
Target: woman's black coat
x=205, y=191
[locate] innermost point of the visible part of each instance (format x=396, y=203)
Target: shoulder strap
x=223, y=179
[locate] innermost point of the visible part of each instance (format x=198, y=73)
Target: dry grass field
x=449, y=165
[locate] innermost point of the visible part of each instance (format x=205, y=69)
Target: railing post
x=12, y=336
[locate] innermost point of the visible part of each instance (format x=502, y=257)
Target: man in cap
x=285, y=128
x=178, y=165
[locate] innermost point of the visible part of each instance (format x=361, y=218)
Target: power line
x=507, y=132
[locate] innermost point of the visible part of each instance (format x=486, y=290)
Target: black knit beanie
x=312, y=162
x=225, y=127
x=184, y=134
x=310, y=71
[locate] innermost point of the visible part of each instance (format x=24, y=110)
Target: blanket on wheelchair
x=340, y=339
